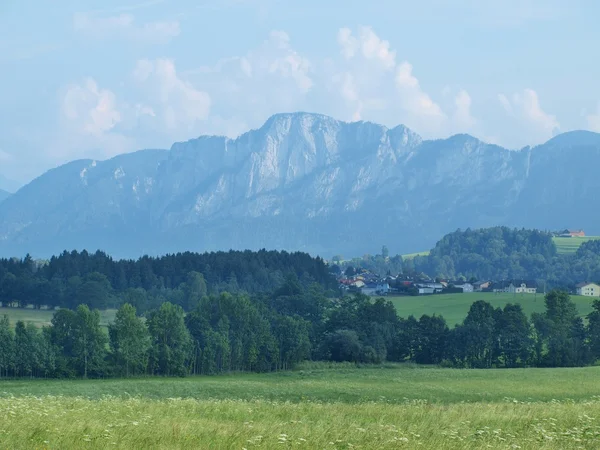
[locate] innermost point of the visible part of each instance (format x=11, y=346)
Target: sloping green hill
x=569, y=245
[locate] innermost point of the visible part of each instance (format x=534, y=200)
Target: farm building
x=573, y=233
x=376, y=289
x=517, y=287
x=481, y=285
x=588, y=289
x=466, y=287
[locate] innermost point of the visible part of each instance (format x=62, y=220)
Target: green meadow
x=454, y=307
x=330, y=406
x=569, y=245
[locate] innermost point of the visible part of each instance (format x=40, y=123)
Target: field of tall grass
x=324, y=406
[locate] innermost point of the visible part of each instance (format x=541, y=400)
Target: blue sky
x=92, y=79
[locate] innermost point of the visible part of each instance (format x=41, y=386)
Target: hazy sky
x=94, y=78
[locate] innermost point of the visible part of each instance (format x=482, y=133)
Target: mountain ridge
x=4, y=195
x=301, y=181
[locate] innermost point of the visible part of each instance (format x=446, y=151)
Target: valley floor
x=318, y=406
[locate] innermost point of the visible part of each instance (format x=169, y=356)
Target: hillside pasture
x=454, y=307
x=334, y=406
x=413, y=255
x=569, y=245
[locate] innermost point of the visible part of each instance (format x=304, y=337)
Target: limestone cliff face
x=303, y=182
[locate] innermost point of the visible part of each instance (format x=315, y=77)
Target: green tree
x=385, y=252
x=432, y=336
x=195, y=289
x=479, y=333
x=560, y=332
x=7, y=346
x=129, y=341
x=170, y=340
x=25, y=351
x=593, y=330
x=513, y=331
x=89, y=343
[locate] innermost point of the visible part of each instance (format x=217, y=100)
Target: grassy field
x=412, y=255
x=42, y=317
x=568, y=246
x=454, y=307
x=320, y=406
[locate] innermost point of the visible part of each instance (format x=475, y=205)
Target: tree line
x=73, y=278
x=266, y=332
x=502, y=253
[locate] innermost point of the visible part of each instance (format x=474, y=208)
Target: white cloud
x=170, y=98
x=525, y=107
x=90, y=109
x=415, y=101
x=123, y=26
x=462, y=115
x=247, y=89
x=374, y=86
x=593, y=120
x=370, y=45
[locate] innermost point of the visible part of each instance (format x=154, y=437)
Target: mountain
x=303, y=182
x=4, y=195
x=8, y=185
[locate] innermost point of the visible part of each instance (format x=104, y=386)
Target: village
x=369, y=283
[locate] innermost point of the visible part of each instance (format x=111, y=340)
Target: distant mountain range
x=304, y=182
x=4, y=195
x=8, y=185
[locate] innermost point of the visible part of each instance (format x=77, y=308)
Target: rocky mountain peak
x=302, y=181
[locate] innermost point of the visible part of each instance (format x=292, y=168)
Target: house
x=358, y=284
x=466, y=287
x=573, y=233
x=480, y=286
x=517, y=287
x=376, y=288
x=429, y=286
x=588, y=289
x=425, y=290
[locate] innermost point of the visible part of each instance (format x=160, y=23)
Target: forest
x=502, y=253
x=236, y=332
x=95, y=279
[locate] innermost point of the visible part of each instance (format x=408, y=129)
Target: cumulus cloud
x=246, y=89
x=415, y=100
x=593, y=120
x=369, y=45
x=125, y=26
x=525, y=107
x=170, y=98
x=373, y=85
x=90, y=122
x=462, y=114
x=90, y=109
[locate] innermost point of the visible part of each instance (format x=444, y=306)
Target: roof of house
x=584, y=284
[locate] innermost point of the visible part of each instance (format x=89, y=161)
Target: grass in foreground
x=454, y=307
x=321, y=406
x=61, y=422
